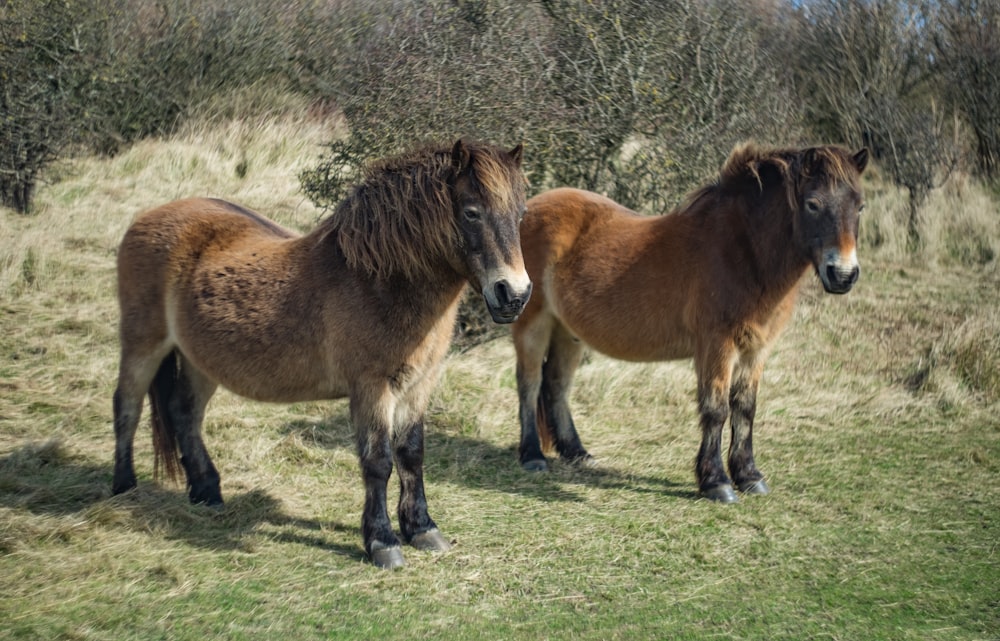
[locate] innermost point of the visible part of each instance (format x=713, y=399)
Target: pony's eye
x=813, y=206
x=471, y=214
x=861, y=208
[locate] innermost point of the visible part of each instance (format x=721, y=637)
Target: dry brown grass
x=877, y=427
x=958, y=225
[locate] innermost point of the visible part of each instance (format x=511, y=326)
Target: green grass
x=877, y=427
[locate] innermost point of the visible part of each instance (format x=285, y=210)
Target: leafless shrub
x=636, y=100
x=863, y=72
x=44, y=70
x=967, y=54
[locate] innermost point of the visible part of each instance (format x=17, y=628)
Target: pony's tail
x=165, y=449
x=546, y=438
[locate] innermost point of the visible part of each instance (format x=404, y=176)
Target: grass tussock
x=876, y=427
x=974, y=352
x=957, y=225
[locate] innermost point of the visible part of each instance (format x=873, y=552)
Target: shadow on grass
x=46, y=479
x=478, y=464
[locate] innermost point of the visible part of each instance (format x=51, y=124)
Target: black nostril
x=502, y=291
x=836, y=277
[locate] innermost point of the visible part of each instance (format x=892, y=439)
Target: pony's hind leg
x=415, y=524
x=565, y=352
x=743, y=408
x=179, y=394
x=135, y=373
x=127, y=410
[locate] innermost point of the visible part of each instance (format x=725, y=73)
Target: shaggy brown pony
x=362, y=307
x=714, y=280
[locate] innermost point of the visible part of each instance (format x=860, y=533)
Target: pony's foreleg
x=565, y=352
x=372, y=426
x=530, y=449
x=714, y=374
x=531, y=341
x=415, y=524
x=743, y=408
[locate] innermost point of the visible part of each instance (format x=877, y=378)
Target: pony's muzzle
x=839, y=273
x=505, y=302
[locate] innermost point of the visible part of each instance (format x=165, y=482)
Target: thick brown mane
x=748, y=164
x=400, y=219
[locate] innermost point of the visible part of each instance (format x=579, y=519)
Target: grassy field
x=878, y=428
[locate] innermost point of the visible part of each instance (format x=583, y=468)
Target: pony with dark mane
x=362, y=307
x=715, y=280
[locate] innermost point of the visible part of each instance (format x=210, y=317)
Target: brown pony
x=362, y=307
x=715, y=280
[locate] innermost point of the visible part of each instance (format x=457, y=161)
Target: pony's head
x=431, y=207
x=829, y=203
x=822, y=193
x=488, y=194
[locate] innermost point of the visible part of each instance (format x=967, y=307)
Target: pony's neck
x=776, y=261
x=384, y=264
x=398, y=297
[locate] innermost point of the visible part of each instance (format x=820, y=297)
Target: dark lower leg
x=415, y=523
x=530, y=449
x=743, y=408
x=203, y=479
x=412, y=509
x=376, y=467
x=557, y=412
x=557, y=379
x=185, y=410
x=126, y=418
x=713, y=483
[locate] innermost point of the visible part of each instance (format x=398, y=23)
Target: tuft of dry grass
x=959, y=224
x=973, y=349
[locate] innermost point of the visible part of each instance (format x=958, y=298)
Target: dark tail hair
x=546, y=438
x=165, y=450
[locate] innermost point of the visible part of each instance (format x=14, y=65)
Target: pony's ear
x=860, y=159
x=517, y=153
x=460, y=158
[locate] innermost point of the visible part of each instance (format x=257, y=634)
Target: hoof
x=214, y=502
x=207, y=493
x=387, y=558
x=538, y=465
x=431, y=540
x=124, y=485
x=720, y=494
x=585, y=461
x=755, y=487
